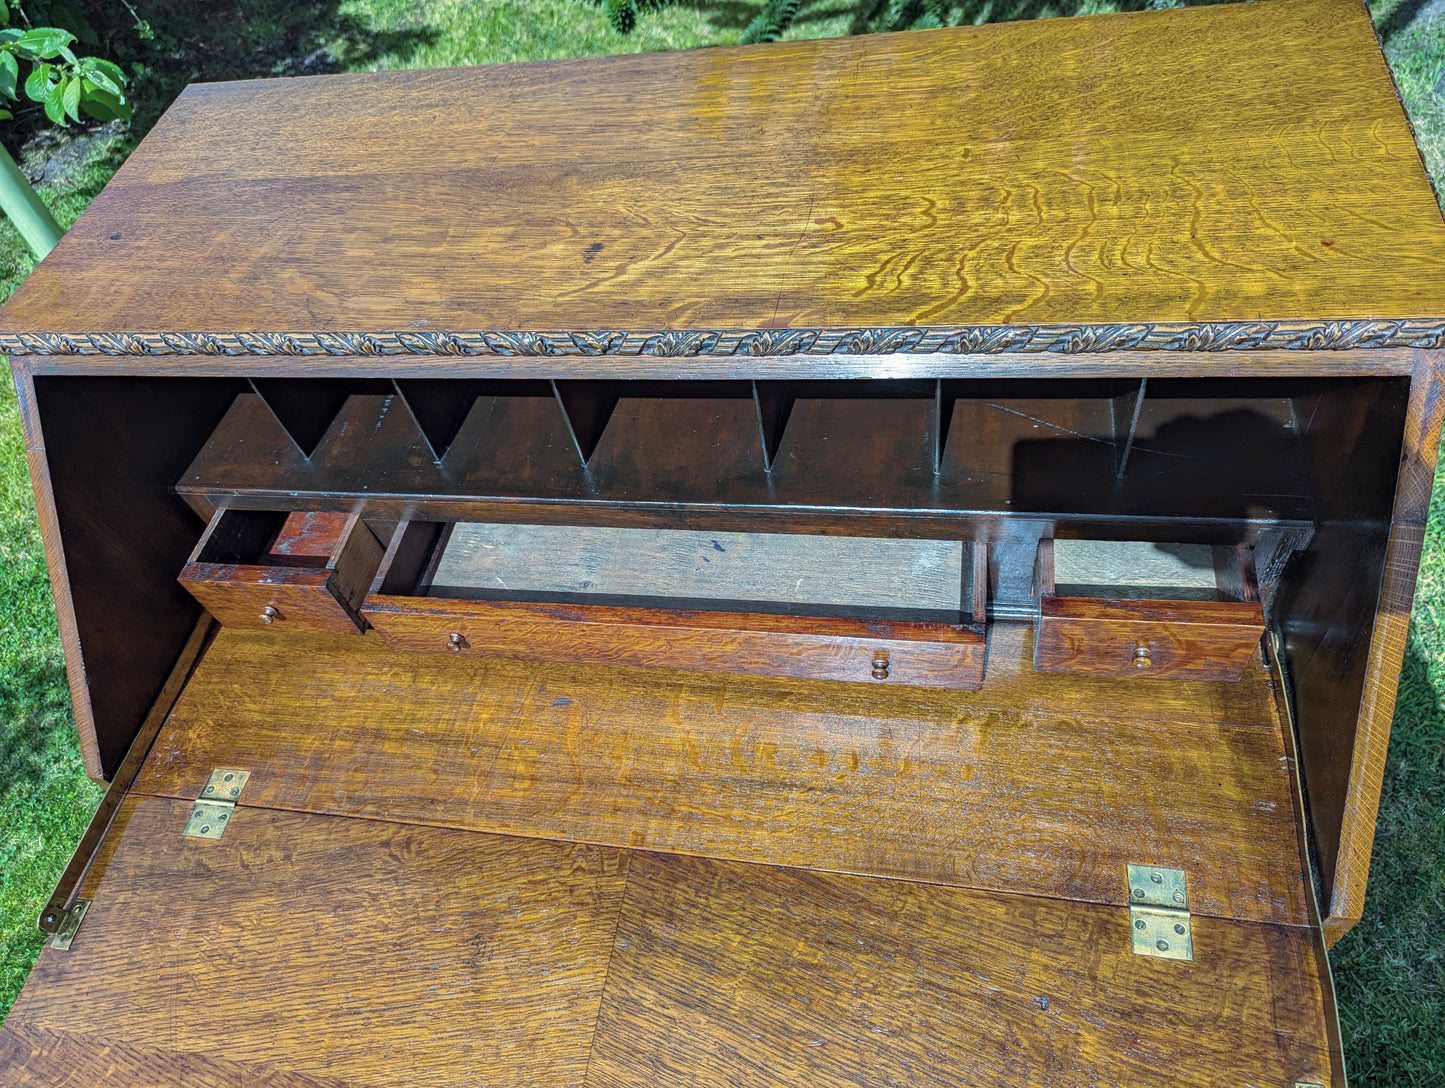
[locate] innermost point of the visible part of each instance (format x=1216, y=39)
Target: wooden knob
x=1142, y=659
x=456, y=643
x=880, y=665
x=269, y=614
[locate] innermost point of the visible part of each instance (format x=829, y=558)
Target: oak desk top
x=1239, y=176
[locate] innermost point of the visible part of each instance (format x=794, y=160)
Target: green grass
x=1389, y=971
x=45, y=799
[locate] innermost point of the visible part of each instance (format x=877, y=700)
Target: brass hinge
x=69, y=924
x=1159, y=913
x=213, y=809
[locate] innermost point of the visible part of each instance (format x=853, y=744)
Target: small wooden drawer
x=1184, y=612
x=672, y=635
x=273, y=570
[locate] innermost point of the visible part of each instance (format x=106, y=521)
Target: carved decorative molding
x=683, y=343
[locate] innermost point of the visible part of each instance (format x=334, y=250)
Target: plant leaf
x=54, y=105
x=104, y=106
x=9, y=73
x=46, y=41
x=37, y=86
x=96, y=67
x=70, y=98
x=100, y=79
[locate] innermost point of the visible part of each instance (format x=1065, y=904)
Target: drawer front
x=1181, y=640
x=271, y=598
x=910, y=654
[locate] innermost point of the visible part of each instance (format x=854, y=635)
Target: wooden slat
x=342, y=952
x=1051, y=782
x=846, y=465
x=724, y=976
x=929, y=655
x=1230, y=163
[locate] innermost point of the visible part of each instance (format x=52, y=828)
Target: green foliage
x=66, y=85
x=45, y=799
x=773, y=21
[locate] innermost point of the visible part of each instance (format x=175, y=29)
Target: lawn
x=1389, y=972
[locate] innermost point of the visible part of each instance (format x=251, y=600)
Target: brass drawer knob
x=456, y=642
x=1142, y=660
x=880, y=665
x=270, y=614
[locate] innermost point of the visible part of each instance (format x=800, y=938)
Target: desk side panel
x=1403, y=550
x=1344, y=609
x=104, y=454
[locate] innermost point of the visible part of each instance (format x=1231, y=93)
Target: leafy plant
x=64, y=84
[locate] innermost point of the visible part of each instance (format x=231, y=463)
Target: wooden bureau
x=871, y=561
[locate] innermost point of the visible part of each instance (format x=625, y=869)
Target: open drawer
x=813, y=607
x=1136, y=608
x=294, y=570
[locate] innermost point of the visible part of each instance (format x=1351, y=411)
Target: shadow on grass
x=872, y=16
x=34, y=704
x=1390, y=969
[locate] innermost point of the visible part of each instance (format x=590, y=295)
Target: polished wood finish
x=52, y=915
x=850, y=462
x=1163, y=639
x=303, y=951
x=105, y=454
x=307, y=539
x=1409, y=513
x=1194, y=640
x=1183, y=363
x=720, y=977
x=322, y=598
x=1041, y=781
x=351, y=952
x=785, y=642
x=932, y=655
x=1079, y=194
x=1176, y=280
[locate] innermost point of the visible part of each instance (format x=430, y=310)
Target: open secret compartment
x=864, y=609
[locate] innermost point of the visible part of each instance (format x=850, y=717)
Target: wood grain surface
x=313, y=952
x=307, y=539
x=1043, y=781
x=104, y=469
x=1410, y=512
x=1231, y=163
x=349, y=952
x=847, y=465
x=929, y=655
x=1182, y=640
x=724, y=976
x=238, y=595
